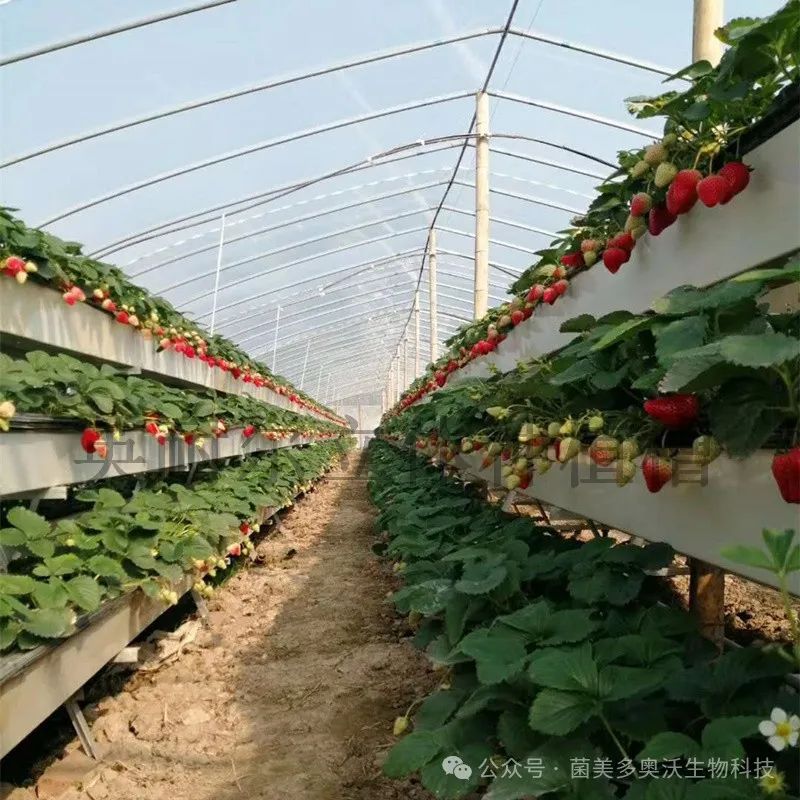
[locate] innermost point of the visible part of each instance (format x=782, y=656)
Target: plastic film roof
x=328, y=152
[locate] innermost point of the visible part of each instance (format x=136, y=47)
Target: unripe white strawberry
x=628, y=449
x=98, y=294
x=400, y=726
x=655, y=154
x=512, y=482
x=625, y=471
x=638, y=170
x=21, y=277
x=568, y=448
x=568, y=428
x=596, y=423
x=30, y=266
x=553, y=429
x=133, y=321
x=665, y=173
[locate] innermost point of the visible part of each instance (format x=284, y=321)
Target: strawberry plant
x=103, y=398
x=148, y=540
x=30, y=253
x=699, y=157
x=554, y=652
x=707, y=369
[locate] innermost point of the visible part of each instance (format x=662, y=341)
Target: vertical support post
x=434, y=311
x=707, y=582
x=707, y=18
x=275, y=340
x=404, y=384
x=319, y=382
x=481, y=297
x=305, y=364
x=328, y=389
x=416, y=335
x=216, y=274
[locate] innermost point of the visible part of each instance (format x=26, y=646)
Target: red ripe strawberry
x=188, y=438
x=572, y=260
x=528, y=312
x=641, y=203
x=89, y=438
x=622, y=240
x=535, y=293
x=558, y=273
x=737, y=175
x=659, y=219
x=714, y=190
x=550, y=295
x=151, y=428
x=614, y=258
x=440, y=377
x=589, y=244
x=786, y=471
x=525, y=480
x=122, y=317
x=657, y=472
x=13, y=265
x=674, y=410
x=108, y=305
x=517, y=317
x=561, y=286
x=249, y=431
x=682, y=192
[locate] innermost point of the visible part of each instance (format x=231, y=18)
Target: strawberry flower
x=780, y=729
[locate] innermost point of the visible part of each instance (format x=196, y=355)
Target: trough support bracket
x=81, y=727
x=707, y=599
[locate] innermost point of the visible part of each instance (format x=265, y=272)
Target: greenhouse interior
x=400, y=401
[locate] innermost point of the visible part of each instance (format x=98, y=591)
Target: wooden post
x=404, y=383
x=707, y=582
x=481, y=297
x=707, y=18
x=416, y=335
x=432, y=296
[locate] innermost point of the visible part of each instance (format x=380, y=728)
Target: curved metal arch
x=253, y=89
x=367, y=310
x=291, y=246
x=341, y=304
x=343, y=332
x=608, y=55
x=255, y=148
x=572, y=112
x=302, y=336
x=297, y=77
x=326, y=355
x=323, y=237
x=334, y=303
x=336, y=125
x=317, y=215
x=304, y=260
x=128, y=26
x=294, y=221
x=296, y=351
x=352, y=270
x=263, y=198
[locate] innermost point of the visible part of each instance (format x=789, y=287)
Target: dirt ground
x=291, y=691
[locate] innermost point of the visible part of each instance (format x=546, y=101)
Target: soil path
x=291, y=691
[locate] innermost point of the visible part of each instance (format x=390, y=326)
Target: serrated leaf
x=33, y=525
x=49, y=623
x=572, y=669
x=763, y=350
x=85, y=592
x=668, y=744
x=479, y=580
x=106, y=567
x=558, y=713
x=51, y=594
x=16, y=584
x=411, y=753
x=689, y=300
x=63, y=565
x=625, y=330
x=678, y=336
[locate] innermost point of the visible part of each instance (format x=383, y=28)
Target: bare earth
x=291, y=691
